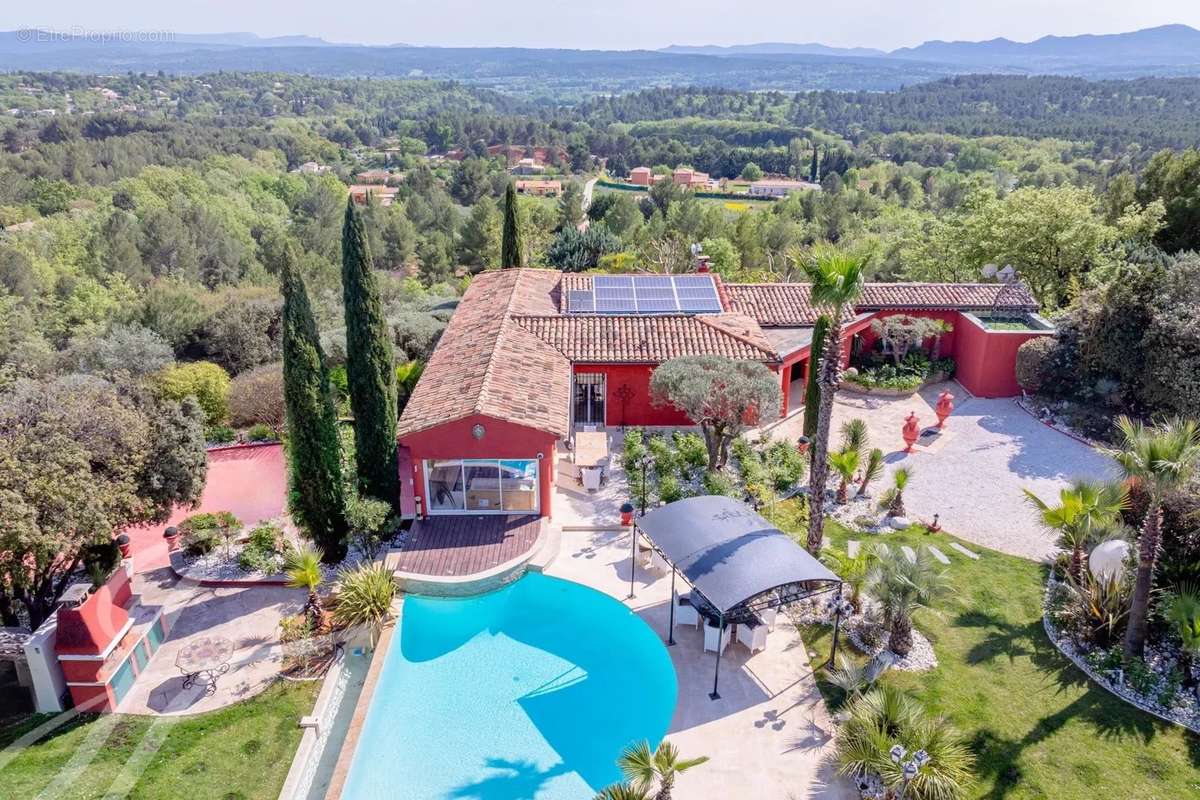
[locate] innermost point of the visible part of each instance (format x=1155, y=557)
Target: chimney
x=702, y=264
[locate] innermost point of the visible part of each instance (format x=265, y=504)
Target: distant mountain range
x=557, y=75
x=1166, y=45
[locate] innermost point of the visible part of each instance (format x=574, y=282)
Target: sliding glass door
x=482, y=485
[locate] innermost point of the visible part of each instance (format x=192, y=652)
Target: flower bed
x=880, y=377
x=866, y=634
x=1154, y=685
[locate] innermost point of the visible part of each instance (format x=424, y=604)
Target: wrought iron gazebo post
x=633, y=534
x=671, y=624
x=837, y=624
x=715, y=695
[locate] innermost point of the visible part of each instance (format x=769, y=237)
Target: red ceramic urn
x=911, y=431
x=944, y=407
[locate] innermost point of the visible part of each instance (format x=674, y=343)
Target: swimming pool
x=530, y=691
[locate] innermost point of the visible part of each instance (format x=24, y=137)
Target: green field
x=1038, y=727
x=238, y=753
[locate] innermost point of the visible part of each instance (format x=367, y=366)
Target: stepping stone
x=852, y=548
x=964, y=551
x=938, y=554
x=909, y=553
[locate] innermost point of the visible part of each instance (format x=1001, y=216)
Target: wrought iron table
x=203, y=661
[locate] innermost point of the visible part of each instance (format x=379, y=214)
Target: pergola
x=736, y=561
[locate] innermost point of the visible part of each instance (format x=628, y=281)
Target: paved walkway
x=972, y=476
x=249, y=481
x=769, y=736
x=248, y=617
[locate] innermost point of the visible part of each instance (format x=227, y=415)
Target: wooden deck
x=466, y=545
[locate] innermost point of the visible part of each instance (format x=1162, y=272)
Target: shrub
x=220, y=434
x=256, y=398
x=666, y=462
x=364, y=595
x=635, y=449
x=692, y=452
x=262, y=433
x=205, y=381
x=1032, y=362
x=721, y=484
x=202, y=532
x=370, y=522
x=785, y=464
x=668, y=489
x=262, y=550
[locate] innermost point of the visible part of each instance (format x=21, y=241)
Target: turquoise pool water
x=527, y=693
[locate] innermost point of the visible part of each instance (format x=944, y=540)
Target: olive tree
x=722, y=395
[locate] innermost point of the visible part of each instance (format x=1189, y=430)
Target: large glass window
x=485, y=485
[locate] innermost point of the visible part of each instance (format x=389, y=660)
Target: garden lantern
x=945, y=406
x=911, y=431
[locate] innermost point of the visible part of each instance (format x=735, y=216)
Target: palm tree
x=893, y=500
x=845, y=464
x=872, y=470
x=303, y=569
x=1160, y=458
x=624, y=791
x=644, y=768
x=854, y=435
x=885, y=716
x=1085, y=511
x=852, y=569
x=902, y=586
x=837, y=280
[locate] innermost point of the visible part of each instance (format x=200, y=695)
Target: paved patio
x=248, y=617
x=769, y=736
x=972, y=476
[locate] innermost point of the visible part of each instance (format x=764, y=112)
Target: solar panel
x=697, y=293
x=580, y=302
x=614, y=294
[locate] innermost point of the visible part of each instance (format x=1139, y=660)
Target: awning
x=728, y=552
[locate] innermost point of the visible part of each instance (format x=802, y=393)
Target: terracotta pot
x=124, y=546
x=627, y=514
x=911, y=431
x=945, y=406
x=171, y=535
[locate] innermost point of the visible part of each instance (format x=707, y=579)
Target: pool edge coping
x=341, y=769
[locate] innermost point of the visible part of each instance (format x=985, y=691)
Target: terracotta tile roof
x=790, y=304
x=650, y=339
x=486, y=364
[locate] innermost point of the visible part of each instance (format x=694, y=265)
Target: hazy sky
x=615, y=24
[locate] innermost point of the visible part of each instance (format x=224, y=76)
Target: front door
x=589, y=398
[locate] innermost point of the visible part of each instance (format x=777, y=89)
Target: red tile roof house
x=531, y=354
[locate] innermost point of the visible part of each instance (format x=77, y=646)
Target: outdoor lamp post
x=909, y=769
x=644, y=465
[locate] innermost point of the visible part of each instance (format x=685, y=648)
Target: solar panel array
x=646, y=294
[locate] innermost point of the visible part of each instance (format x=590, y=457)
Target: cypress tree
x=812, y=168
x=511, y=250
x=316, y=496
x=812, y=389
x=370, y=367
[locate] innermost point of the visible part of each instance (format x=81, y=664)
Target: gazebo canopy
x=728, y=552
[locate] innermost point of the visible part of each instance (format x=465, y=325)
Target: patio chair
x=753, y=635
x=658, y=563
x=685, y=612
x=768, y=615
x=591, y=479
x=711, y=633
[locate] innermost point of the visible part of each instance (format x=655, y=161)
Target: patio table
x=204, y=659
x=591, y=448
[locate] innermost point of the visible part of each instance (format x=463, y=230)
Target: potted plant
x=626, y=514
x=171, y=536
x=124, y=546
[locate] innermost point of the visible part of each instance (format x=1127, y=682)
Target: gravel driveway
x=973, y=476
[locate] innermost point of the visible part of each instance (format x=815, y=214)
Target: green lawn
x=1038, y=727
x=240, y=752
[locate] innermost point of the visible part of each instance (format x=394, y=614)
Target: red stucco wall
x=91, y=627
x=500, y=440
x=987, y=360
x=638, y=410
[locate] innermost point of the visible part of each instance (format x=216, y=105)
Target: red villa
x=530, y=355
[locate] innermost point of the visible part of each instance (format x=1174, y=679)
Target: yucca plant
x=1103, y=604
x=885, y=717
x=854, y=435
x=901, y=587
x=871, y=470
x=1183, y=612
x=645, y=768
x=302, y=566
x=893, y=498
x=364, y=596
x=850, y=677
x=845, y=464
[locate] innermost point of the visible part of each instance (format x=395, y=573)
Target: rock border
x=1064, y=645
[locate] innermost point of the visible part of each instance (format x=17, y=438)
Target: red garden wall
x=987, y=359
x=501, y=440
x=638, y=410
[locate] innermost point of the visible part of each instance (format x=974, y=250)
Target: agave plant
x=302, y=565
x=854, y=435
x=364, y=596
x=903, y=586
x=885, y=718
x=871, y=470
x=845, y=464
x=893, y=498
x=645, y=768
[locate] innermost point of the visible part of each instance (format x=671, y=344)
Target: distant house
x=375, y=176
x=528, y=166
x=312, y=168
x=539, y=188
x=640, y=176
x=106, y=93
x=384, y=195
x=780, y=187
x=691, y=179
